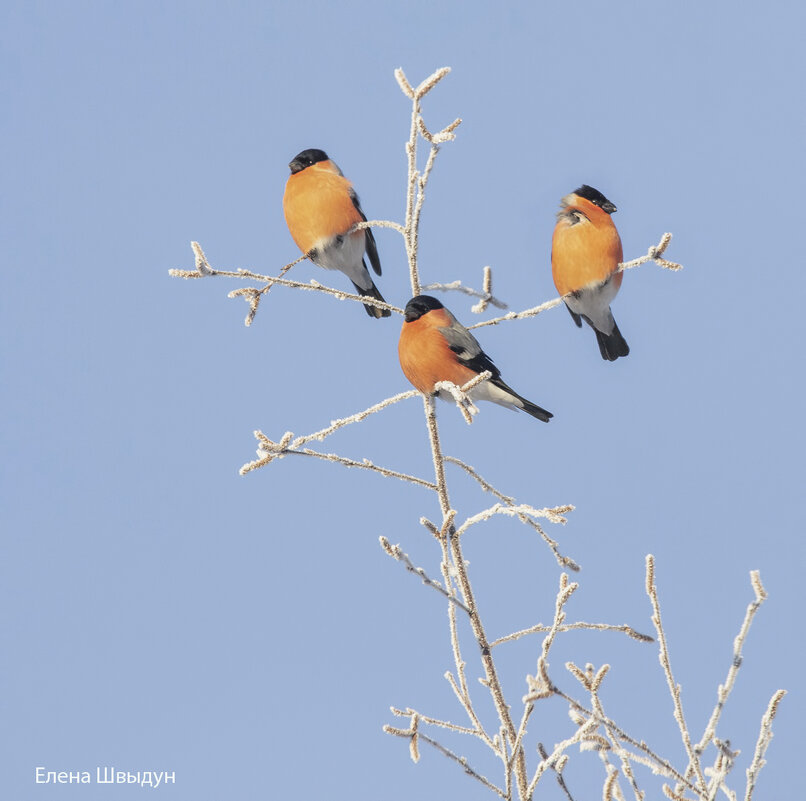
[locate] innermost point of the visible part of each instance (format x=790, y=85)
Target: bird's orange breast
x=318, y=205
x=587, y=252
x=426, y=357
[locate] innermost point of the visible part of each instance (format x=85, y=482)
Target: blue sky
x=159, y=611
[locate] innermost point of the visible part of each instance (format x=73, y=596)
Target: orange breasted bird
x=585, y=254
x=320, y=206
x=434, y=346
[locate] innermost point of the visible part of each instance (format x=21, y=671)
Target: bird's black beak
x=295, y=166
x=609, y=207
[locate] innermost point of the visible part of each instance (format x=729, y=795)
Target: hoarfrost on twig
x=674, y=688
x=764, y=738
x=653, y=254
x=396, y=552
x=485, y=296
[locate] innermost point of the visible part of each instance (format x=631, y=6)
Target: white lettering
x=105, y=775
x=109, y=776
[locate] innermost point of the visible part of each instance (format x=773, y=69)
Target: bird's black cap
x=420, y=305
x=306, y=158
x=595, y=197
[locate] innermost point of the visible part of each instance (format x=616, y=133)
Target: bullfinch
x=320, y=206
x=585, y=255
x=434, y=346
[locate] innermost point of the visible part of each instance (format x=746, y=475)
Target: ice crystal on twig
x=485, y=296
x=764, y=737
x=654, y=254
x=396, y=552
x=461, y=394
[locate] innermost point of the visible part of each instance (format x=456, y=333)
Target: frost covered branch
x=674, y=688
x=724, y=690
x=764, y=737
x=414, y=736
x=396, y=552
x=269, y=450
x=653, y=254
x=486, y=294
x=539, y=628
x=563, y=561
x=253, y=295
x=417, y=181
x=461, y=396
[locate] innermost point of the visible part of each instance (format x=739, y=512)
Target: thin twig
x=662, y=765
x=358, y=417
x=377, y=224
x=557, y=770
x=364, y=464
x=554, y=515
x=460, y=394
x=396, y=552
x=459, y=566
x=724, y=690
x=653, y=254
x=449, y=572
x=415, y=194
x=581, y=732
x=615, y=743
x=315, y=286
x=564, y=561
x=436, y=454
x=723, y=764
x=443, y=724
x=253, y=295
x=485, y=485
x=485, y=295
x=674, y=688
x=525, y=515
x=764, y=737
x=270, y=450
x=539, y=628
x=448, y=753
x=540, y=684
x=460, y=690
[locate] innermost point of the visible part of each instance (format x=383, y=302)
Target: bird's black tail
x=372, y=292
x=528, y=406
x=612, y=345
x=536, y=411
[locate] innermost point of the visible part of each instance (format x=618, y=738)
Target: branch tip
x=758, y=587
x=430, y=82
x=403, y=83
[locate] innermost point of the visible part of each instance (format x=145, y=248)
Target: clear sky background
x=160, y=612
